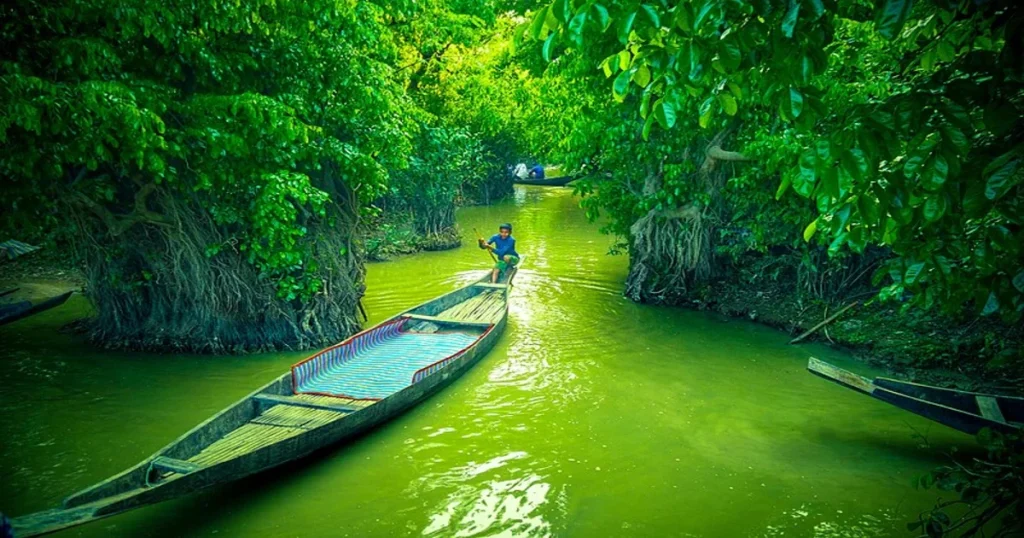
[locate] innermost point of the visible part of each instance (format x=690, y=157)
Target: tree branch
x=118, y=224
x=715, y=152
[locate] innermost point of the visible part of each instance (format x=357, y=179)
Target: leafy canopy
x=900, y=121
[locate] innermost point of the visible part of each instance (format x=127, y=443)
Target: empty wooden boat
x=12, y=312
x=335, y=394
x=968, y=412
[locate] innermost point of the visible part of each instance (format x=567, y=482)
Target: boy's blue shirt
x=503, y=247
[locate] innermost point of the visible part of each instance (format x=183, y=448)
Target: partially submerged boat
x=968, y=412
x=333, y=395
x=11, y=312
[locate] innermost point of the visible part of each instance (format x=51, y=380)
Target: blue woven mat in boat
x=385, y=366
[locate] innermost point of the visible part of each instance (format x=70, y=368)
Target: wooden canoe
x=968, y=412
x=333, y=395
x=546, y=182
x=12, y=312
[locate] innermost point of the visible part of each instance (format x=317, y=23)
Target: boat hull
x=137, y=487
x=13, y=312
x=547, y=182
x=968, y=412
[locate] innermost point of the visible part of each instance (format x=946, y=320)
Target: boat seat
x=490, y=285
x=435, y=319
x=164, y=464
x=989, y=408
x=277, y=399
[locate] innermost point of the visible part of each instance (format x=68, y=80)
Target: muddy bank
x=973, y=354
x=47, y=265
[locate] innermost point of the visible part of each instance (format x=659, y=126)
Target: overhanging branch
x=716, y=152
x=118, y=224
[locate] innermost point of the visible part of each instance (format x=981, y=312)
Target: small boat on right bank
x=966, y=411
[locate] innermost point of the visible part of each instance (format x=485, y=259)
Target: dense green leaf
x=625, y=59
x=934, y=207
x=730, y=54
x=938, y=170
x=577, y=23
x=1000, y=179
x=728, y=103
x=665, y=113
x=890, y=15
x=789, y=21
x=538, y=25
x=602, y=16
x=705, y=112
x=991, y=304
x=810, y=229
x=621, y=84
x=652, y=14
x=913, y=273
x=642, y=76
x=703, y=9
x=696, y=63
x=796, y=102
x=855, y=163
x=626, y=27
x=549, y=45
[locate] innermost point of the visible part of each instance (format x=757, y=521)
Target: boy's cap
x=505, y=226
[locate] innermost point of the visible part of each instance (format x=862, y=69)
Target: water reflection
x=495, y=507
x=818, y=521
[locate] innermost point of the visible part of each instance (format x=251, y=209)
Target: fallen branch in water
x=828, y=320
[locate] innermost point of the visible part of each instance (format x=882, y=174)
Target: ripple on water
x=818, y=521
x=481, y=502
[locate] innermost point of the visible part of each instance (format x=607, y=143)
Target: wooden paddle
x=489, y=250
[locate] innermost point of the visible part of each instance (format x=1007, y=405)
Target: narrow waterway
x=593, y=416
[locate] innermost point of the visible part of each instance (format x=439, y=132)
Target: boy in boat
x=537, y=171
x=503, y=245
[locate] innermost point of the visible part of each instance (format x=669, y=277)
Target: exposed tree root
x=673, y=250
x=156, y=288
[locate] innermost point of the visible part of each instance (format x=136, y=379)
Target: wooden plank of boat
x=966, y=411
x=335, y=394
x=546, y=182
x=10, y=313
x=445, y=321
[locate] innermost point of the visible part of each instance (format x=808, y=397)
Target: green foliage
x=901, y=122
x=475, y=86
x=990, y=491
x=218, y=153
x=445, y=160
x=246, y=109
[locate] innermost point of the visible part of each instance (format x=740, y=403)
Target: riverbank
x=977, y=355
x=395, y=237
x=981, y=354
x=392, y=234
x=43, y=265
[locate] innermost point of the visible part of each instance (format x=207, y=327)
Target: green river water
x=593, y=416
